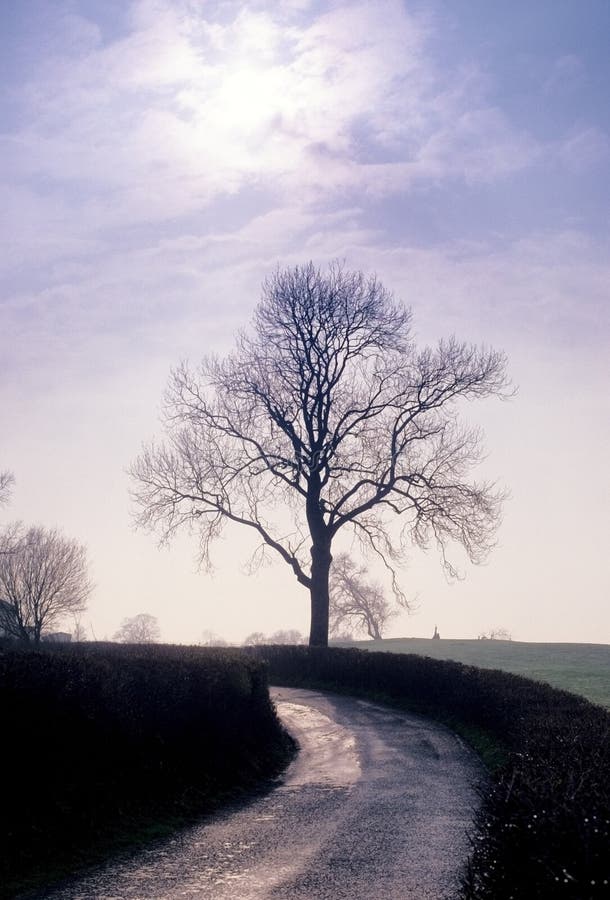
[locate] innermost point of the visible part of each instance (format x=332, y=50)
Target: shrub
x=543, y=827
x=106, y=738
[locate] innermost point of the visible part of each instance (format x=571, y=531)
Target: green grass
x=580, y=668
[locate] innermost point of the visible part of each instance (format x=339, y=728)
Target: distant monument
x=436, y=636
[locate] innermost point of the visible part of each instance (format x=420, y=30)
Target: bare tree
x=211, y=639
x=140, y=629
x=326, y=413
x=496, y=634
x=356, y=603
x=287, y=636
x=6, y=484
x=79, y=632
x=283, y=636
x=500, y=634
x=43, y=579
x=255, y=639
x=8, y=535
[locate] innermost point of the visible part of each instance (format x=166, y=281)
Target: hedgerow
x=103, y=741
x=543, y=827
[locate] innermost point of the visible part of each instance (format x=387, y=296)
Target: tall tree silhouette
x=326, y=411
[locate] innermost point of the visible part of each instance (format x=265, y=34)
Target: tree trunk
x=321, y=559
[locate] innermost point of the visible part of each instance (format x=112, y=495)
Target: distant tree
x=9, y=534
x=10, y=537
x=140, y=629
x=326, y=409
x=254, y=639
x=283, y=636
x=43, y=579
x=500, y=634
x=79, y=632
x=6, y=484
x=211, y=639
x=496, y=634
x=356, y=603
x=288, y=636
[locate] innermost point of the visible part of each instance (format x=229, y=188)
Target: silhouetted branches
x=7, y=480
x=43, y=578
x=140, y=629
x=327, y=414
x=355, y=603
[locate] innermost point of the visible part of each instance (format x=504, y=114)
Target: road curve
x=376, y=806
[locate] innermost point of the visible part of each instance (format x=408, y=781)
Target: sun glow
x=251, y=97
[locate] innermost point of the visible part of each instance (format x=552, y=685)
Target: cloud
x=187, y=294
x=190, y=105
x=173, y=296
x=119, y=182
x=545, y=293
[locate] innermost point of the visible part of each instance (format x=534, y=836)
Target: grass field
x=581, y=668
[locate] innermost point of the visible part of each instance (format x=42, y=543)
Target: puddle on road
x=328, y=752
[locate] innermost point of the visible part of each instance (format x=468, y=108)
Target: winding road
x=376, y=806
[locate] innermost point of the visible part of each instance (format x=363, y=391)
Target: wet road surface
x=376, y=806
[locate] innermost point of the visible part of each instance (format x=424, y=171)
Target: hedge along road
x=377, y=804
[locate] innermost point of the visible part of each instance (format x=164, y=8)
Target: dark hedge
x=543, y=828
x=102, y=741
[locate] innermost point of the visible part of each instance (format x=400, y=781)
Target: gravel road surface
x=376, y=806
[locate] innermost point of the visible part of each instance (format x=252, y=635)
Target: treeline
x=543, y=827
x=101, y=742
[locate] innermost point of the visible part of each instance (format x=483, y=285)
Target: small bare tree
x=140, y=629
x=496, y=634
x=327, y=412
x=8, y=535
x=287, y=636
x=283, y=636
x=209, y=638
x=43, y=579
x=6, y=485
x=356, y=603
x=79, y=632
x=255, y=639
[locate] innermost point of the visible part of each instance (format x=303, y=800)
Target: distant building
x=436, y=636
x=10, y=628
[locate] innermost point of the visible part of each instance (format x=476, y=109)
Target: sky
x=160, y=157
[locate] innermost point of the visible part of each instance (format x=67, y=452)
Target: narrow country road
x=376, y=806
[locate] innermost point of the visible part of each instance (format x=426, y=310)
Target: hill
x=581, y=668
